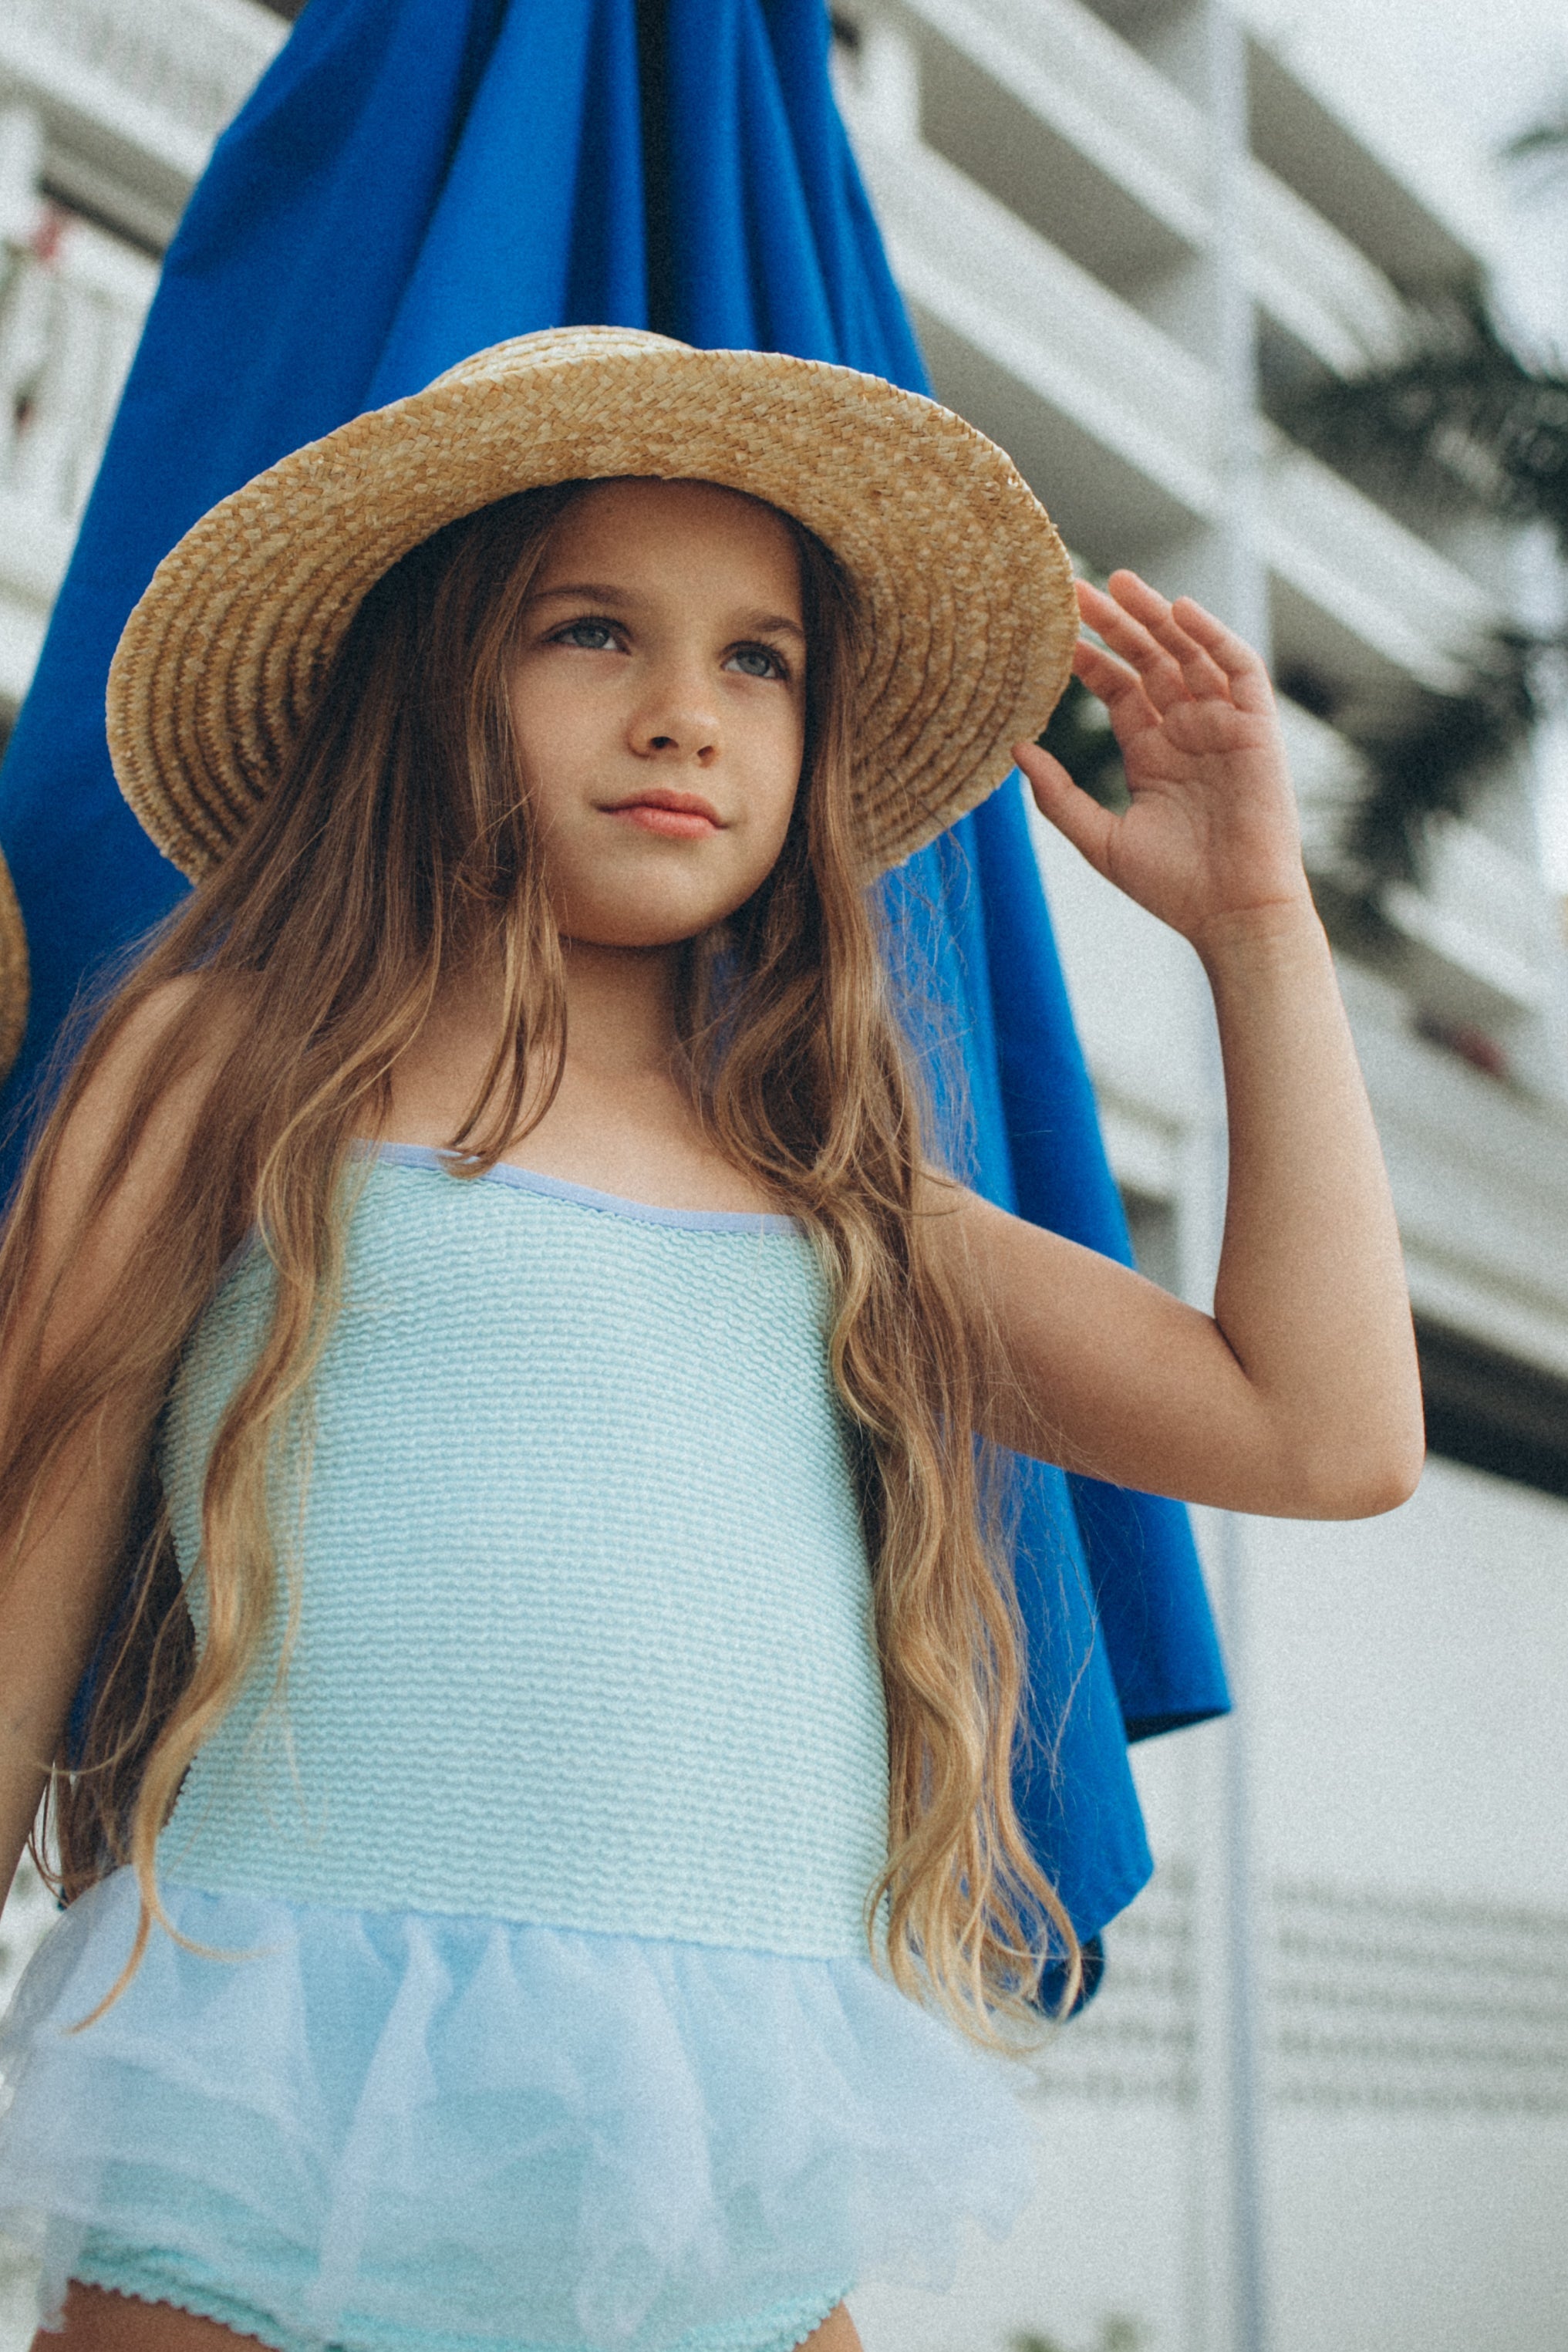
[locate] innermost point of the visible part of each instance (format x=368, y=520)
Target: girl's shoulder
x=131, y=1042
x=151, y=1066
x=125, y=1122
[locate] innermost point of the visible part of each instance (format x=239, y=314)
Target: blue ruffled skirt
x=385, y=2129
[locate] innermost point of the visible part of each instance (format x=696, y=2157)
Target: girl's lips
x=674, y=824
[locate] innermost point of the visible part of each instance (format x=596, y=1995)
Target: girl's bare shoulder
x=134, y=1102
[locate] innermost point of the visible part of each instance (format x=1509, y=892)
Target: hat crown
x=547, y=346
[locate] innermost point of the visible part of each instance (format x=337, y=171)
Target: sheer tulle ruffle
x=479, y=2129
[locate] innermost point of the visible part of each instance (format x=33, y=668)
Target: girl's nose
x=677, y=721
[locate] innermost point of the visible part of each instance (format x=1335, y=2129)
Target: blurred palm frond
x=1461, y=420
x=1426, y=755
x=1543, y=143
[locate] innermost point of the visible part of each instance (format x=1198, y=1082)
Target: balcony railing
x=115, y=104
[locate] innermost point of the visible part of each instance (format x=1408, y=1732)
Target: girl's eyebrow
x=598, y=592
x=595, y=590
x=774, y=625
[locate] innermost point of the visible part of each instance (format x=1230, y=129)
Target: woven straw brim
x=14, y=972
x=965, y=585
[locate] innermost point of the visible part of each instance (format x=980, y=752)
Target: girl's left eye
x=757, y=661
x=591, y=637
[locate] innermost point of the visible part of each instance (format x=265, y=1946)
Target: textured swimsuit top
x=585, y=1632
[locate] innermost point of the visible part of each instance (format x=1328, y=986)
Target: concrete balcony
x=132, y=93
x=1480, y=944
x=1356, y=594
x=1115, y=422
x=1480, y=1184
x=1099, y=407
x=1104, y=155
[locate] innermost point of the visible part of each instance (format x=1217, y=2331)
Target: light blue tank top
x=585, y=1632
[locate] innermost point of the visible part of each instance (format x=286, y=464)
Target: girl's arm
x=55, y=1591
x=1300, y=1395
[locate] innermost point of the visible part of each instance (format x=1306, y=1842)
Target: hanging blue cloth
x=415, y=179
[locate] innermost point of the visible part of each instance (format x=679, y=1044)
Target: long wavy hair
x=397, y=844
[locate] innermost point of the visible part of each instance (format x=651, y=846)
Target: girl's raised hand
x=1211, y=837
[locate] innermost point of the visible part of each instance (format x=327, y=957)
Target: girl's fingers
x=1201, y=676
x=1125, y=632
x=1114, y=684
x=1065, y=805
x=1187, y=637
x=1241, y=663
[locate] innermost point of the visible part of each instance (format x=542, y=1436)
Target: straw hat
x=966, y=585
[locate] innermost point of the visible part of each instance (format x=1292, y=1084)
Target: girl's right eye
x=591, y=636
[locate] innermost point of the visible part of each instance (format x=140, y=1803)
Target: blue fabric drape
x=413, y=180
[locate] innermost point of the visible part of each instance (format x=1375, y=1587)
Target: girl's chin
x=639, y=935
x=649, y=920
x=582, y=942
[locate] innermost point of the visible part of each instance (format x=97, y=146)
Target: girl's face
x=659, y=700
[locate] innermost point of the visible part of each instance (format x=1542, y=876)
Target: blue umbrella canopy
x=415, y=179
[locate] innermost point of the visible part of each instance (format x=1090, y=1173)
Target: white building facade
x=1322, y=2101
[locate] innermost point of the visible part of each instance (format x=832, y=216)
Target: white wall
x=1412, y=1673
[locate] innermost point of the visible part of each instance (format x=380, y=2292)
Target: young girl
x=492, y=1372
